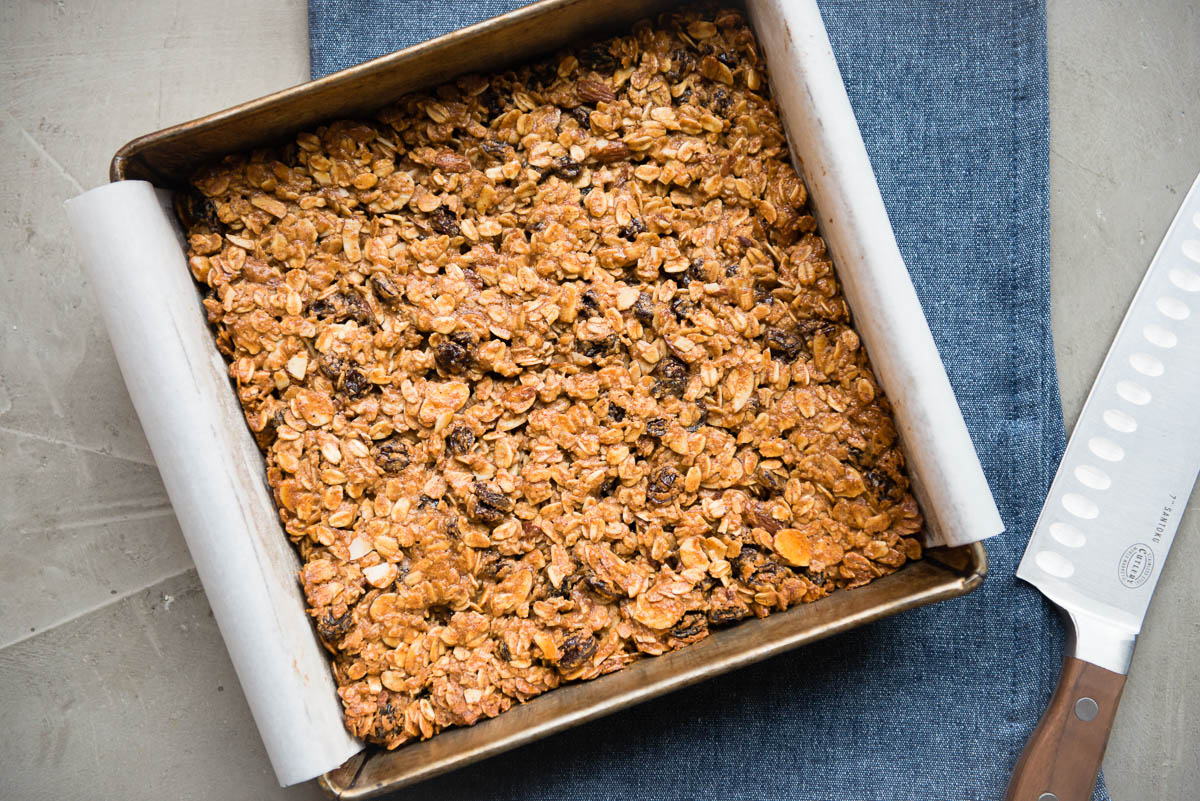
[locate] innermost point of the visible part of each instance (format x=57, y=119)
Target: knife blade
x=1100, y=543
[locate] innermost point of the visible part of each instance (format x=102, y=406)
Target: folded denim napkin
x=935, y=703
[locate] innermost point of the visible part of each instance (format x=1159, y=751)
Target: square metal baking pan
x=168, y=157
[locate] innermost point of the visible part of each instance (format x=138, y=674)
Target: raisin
x=386, y=725
x=812, y=327
x=460, y=440
x=491, y=102
x=354, y=383
x=690, y=628
x=543, y=74
x=754, y=568
x=590, y=301
x=724, y=610
x=643, y=309
x=597, y=57
x=672, y=368
x=593, y=348
x=424, y=501
x=682, y=61
x=727, y=58
x=194, y=209
x=880, y=482
x=681, y=307
x=758, y=515
x=503, y=652
x=608, y=486
x=357, y=309
x=673, y=378
x=576, y=651
x=783, y=345
x=721, y=102
x=488, y=563
x=664, y=485
x=567, y=167
x=568, y=584
x=490, y=506
x=385, y=289
x=615, y=412
x=731, y=270
x=493, y=148
x=583, y=116
x=487, y=514
x=392, y=455
x=656, y=427
x=342, y=306
x=607, y=590
x=451, y=356
x=444, y=222
x=331, y=367
x=767, y=485
x=322, y=307
x=333, y=627
x=631, y=231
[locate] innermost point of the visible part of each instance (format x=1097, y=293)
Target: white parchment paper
x=828, y=151
x=213, y=471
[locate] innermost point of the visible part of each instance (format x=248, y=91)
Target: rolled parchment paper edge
x=135, y=260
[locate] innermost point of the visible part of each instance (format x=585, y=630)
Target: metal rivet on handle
x=1086, y=709
x=1047, y=797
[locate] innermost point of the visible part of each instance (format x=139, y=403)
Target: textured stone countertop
x=113, y=676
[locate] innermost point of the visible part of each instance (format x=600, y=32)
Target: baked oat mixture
x=551, y=371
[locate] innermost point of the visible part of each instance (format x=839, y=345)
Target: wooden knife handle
x=1062, y=758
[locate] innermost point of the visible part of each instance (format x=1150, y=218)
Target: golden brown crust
x=551, y=370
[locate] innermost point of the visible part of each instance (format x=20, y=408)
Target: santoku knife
x=1100, y=543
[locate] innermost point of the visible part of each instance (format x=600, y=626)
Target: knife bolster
x=1100, y=642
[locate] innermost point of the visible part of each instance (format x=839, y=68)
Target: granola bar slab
x=551, y=371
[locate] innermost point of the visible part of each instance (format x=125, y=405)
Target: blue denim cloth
x=935, y=703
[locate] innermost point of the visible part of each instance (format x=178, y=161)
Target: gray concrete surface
x=1124, y=149
x=113, y=680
